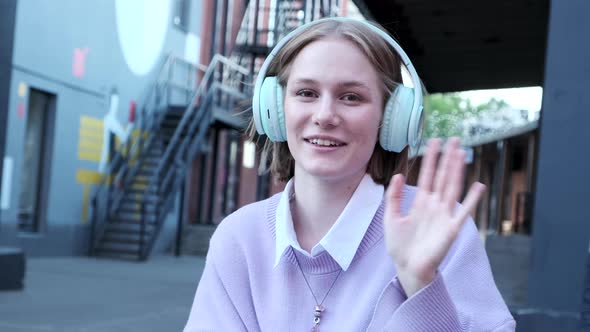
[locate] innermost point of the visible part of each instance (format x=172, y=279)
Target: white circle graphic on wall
x=142, y=27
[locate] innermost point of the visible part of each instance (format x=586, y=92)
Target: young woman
x=348, y=246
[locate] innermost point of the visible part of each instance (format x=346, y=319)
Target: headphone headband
x=414, y=121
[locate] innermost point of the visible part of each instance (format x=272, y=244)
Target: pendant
x=317, y=315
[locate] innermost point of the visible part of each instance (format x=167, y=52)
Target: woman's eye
x=306, y=93
x=352, y=97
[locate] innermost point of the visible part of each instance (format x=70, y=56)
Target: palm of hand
x=420, y=240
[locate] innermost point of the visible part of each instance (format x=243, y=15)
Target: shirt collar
x=345, y=236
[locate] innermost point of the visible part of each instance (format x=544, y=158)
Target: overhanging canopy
x=459, y=45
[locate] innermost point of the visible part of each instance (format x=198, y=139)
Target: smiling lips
x=324, y=142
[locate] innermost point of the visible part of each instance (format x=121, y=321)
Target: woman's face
x=333, y=107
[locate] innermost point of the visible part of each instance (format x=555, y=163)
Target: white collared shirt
x=345, y=236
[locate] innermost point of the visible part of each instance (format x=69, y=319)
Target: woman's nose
x=326, y=114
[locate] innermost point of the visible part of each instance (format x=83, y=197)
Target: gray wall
x=46, y=34
x=561, y=230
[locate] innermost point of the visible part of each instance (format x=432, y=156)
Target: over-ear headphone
x=402, y=117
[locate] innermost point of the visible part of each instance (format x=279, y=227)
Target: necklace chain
x=309, y=286
x=319, y=305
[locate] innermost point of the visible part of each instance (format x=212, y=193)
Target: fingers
x=442, y=174
x=470, y=202
x=455, y=184
x=394, y=195
x=428, y=166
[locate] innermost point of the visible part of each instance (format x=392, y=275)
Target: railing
x=221, y=87
x=127, y=161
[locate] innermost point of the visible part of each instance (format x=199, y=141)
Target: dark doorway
x=35, y=170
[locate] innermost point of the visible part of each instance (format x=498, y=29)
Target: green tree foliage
x=445, y=113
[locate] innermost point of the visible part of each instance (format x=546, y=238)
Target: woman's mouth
x=324, y=142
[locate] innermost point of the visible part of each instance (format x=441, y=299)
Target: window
x=181, y=14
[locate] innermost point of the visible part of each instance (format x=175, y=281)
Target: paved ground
x=97, y=295
x=93, y=295
x=510, y=260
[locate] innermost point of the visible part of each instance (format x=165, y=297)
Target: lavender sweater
x=241, y=291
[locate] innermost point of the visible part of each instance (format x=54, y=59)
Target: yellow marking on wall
x=85, y=176
x=90, y=122
x=90, y=145
x=89, y=155
x=90, y=142
x=92, y=134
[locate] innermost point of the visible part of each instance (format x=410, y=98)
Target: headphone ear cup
x=393, y=135
x=271, y=110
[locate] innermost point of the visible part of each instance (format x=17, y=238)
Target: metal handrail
x=198, y=93
x=180, y=150
x=165, y=85
x=119, y=169
x=220, y=83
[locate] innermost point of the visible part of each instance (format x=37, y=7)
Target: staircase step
x=122, y=240
x=139, y=186
x=153, y=161
x=121, y=247
x=116, y=253
x=155, y=155
x=135, y=232
x=128, y=228
x=133, y=197
x=139, y=197
x=135, y=207
x=151, y=192
x=135, y=193
x=133, y=219
x=128, y=210
x=151, y=164
x=148, y=168
x=140, y=180
x=149, y=199
x=147, y=173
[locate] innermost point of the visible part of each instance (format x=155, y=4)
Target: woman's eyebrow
x=353, y=84
x=344, y=84
x=305, y=81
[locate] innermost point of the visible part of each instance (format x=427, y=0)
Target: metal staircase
x=143, y=179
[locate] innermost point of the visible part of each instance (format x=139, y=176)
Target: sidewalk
x=77, y=294
x=80, y=294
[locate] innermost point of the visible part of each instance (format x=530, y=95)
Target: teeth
x=323, y=142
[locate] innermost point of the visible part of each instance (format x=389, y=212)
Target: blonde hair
x=383, y=164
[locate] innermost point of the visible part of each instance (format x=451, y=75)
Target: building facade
x=80, y=76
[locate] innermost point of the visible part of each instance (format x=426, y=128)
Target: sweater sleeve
x=462, y=297
x=218, y=303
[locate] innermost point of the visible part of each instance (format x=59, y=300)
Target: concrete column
x=7, y=21
x=561, y=218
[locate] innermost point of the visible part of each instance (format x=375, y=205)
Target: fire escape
x=146, y=176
